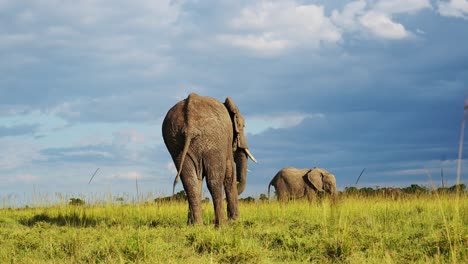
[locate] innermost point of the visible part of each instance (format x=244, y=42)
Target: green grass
x=428, y=229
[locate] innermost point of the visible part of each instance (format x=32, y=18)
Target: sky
x=342, y=85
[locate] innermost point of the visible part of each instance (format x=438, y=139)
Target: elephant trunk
x=240, y=158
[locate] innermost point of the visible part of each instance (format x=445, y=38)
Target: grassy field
x=427, y=229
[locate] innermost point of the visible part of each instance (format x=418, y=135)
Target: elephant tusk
x=250, y=155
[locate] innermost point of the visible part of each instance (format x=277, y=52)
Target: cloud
x=348, y=17
x=265, y=43
x=274, y=26
x=401, y=6
x=122, y=146
x=341, y=85
x=257, y=124
x=171, y=168
x=18, y=130
x=86, y=153
x=382, y=26
x=102, y=154
x=15, y=40
x=98, y=108
x=453, y=8
x=17, y=154
x=26, y=178
x=130, y=175
x=377, y=18
x=128, y=136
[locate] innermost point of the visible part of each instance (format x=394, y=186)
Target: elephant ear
x=315, y=177
x=238, y=124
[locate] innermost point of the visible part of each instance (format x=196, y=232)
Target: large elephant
x=205, y=137
x=293, y=183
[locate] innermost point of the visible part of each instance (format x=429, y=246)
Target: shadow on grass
x=73, y=219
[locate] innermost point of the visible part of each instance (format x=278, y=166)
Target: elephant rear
x=205, y=138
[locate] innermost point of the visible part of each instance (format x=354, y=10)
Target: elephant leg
x=214, y=182
x=230, y=187
x=282, y=197
x=311, y=195
x=192, y=188
x=281, y=191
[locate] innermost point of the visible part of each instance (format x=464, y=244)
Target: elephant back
x=197, y=117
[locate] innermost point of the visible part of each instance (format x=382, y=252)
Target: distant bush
x=249, y=199
x=76, y=202
x=415, y=189
x=393, y=192
x=180, y=196
x=461, y=188
x=263, y=197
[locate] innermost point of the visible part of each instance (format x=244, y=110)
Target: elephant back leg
x=230, y=187
x=192, y=186
x=281, y=191
x=215, y=170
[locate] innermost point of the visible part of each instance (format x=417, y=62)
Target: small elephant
x=294, y=183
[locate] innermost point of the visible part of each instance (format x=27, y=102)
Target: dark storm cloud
x=390, y=105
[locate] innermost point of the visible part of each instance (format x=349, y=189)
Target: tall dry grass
x=413, y=229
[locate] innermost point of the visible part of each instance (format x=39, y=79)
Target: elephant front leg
x=311, y=195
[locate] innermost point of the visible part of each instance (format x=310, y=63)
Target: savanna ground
x=416, y=229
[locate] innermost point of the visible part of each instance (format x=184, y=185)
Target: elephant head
x=239, y=144
x=322, y=180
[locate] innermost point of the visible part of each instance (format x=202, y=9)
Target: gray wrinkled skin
x=293, y=183
x=205, y=137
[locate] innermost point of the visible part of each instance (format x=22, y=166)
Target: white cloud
x=64, y=31
x=453, y=8
x=18, y=154
x=171, y=167
x=401, y=6
x=138, y=13
x=67, y=110
x=86, y=153
x=92, y=30
x=4, y=4
x=377, y=18
x=274, y=26
x=265, y=43
x=13, y=40
x=26, y=17
x=128, y=136
x=382, y=26
x=347, y=18
x=256, y=124
x=26, y=178
x=131, y=175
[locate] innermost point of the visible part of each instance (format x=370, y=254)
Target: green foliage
x=248, y=199
x=180, y=196
x=357, y=229
x=263, y=197
x=415, y=189
x=76, y=202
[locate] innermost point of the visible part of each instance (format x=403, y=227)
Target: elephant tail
x=269, y=185
x=182, y=159
x=189, y=134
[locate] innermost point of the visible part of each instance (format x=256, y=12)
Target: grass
x=425, y=229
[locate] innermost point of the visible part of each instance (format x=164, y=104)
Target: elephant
x=294, y=183
x=205, y=138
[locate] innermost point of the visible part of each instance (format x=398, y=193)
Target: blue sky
x=343, y=85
